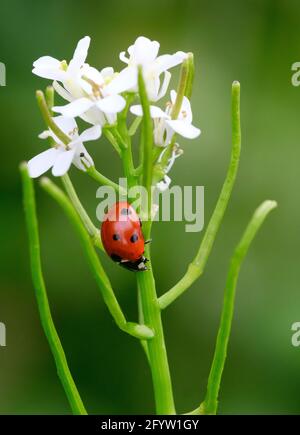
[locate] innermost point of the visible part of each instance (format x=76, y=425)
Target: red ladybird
x=122, y=237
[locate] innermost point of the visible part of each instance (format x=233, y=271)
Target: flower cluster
x=98, y=96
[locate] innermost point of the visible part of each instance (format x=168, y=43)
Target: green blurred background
x=252, y=41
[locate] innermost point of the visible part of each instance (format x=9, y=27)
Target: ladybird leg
x=116, y=258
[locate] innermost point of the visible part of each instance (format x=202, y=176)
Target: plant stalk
x=210, y=404
x=42, y=298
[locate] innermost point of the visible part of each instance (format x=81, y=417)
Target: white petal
x=155, y=112
x=82, y=158
x=173, y=96
x=107, y=72
x=167, y=61
x=67, y=125
x=123, y=57
x=80, y=55
x=75, y=108
x=40, y=164
x=92, y=133
x=94, y=116
x=112, y=104
x=181, y=54
x=46, y=62
x=163, y=90
x=50, y=68
x=62, y=91
x=63, y=162
x=144, y=50
x=92, y=74
x=125, y=81
x=50, y=73
x=186, y=110
x=184, y=128
x=45, y=134
x=164, y=184
x=136, y=110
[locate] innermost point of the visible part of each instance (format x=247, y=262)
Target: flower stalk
x=210, y=404
x=156, y=348
x=42, y=298
x=196, y=267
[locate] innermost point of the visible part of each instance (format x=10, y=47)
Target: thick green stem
x=42, y=299
x=127, y=157
x=210, y=403
x=156, y=349
x=147, y=144
x=196, y=268
x=136, y=330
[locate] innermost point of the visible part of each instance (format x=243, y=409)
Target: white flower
x=144, y=52
x=83, y=86
x=60, y=157
x=166, y=180
x=165, y=127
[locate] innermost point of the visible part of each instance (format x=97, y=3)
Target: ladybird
x=122, y=237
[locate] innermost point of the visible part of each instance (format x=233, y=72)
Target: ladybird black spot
x=116, y=258
x=134, y=238
x=81, y=154
x=116, y=237
x=125, y=211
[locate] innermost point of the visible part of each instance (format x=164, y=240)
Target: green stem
x=101, y=179
x=156, y=348
x=190, y=80
x=147, y=144
x=196, y=267
x=136, y=330
x=183, y=80
x=110, y=137
x=211, y=400
x=42, y=299
x=134, y=126
x=49, y=120
x=142, y=320
x=127, y=149
x=50, y=98
x=93, y=231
